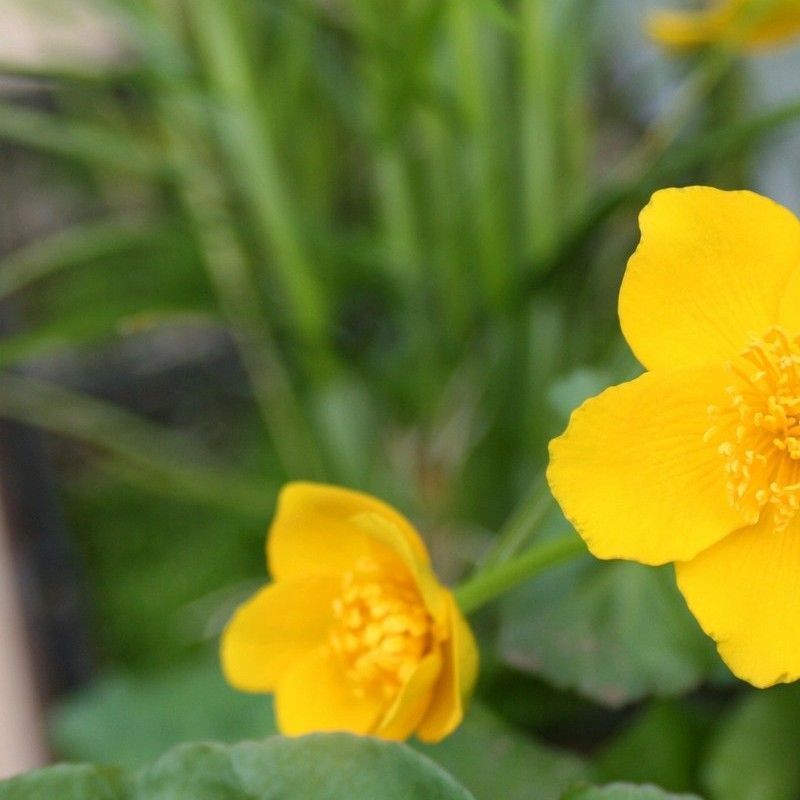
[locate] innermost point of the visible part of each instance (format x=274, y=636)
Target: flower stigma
x=381, y=629
x=759, y=428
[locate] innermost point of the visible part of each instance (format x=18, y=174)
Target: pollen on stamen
x=381, y=629
x=758, y=430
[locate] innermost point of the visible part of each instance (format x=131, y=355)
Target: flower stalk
x=491, y=583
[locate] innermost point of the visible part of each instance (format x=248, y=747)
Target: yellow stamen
x=382, y=629
x=759, y=429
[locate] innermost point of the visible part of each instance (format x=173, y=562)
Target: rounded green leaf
x=624, y=791
x=522, y=768
x=68, y=782
x=754, y=754
x=321, y=766
x=201, y=705
x=614, y=631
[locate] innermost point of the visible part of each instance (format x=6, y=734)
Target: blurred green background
x=378, y=244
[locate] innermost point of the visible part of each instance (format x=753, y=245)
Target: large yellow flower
x=355, y=634
x=698, y=460
x=738, y=22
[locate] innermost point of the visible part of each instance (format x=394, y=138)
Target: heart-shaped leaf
x=322, y=766
x=613, y=631
x=754, y=754
x=624, y=791
x=521, y=767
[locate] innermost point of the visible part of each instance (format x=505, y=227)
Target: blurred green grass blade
x=204, y=194
x=725, y=142
x=69, y=247
x=497, y=13
x=554, y=129
x=683, y=158
x=478, y=86
x=173, y=461
x=90, y=76
x=80, y=141
x=72, y=332
x=539, y=142
x=249, y=142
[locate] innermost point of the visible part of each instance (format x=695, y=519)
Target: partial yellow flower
x=697, y=461
x=356, y=633
x=746, y=23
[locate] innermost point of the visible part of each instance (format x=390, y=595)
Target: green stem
x=488, y=585
x=522, y=524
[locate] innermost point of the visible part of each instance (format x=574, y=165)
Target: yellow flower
x=698, y=460
x=355, y=634
x=746, y=23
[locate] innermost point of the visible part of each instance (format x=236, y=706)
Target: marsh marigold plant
x=697, y=461
x=355, y=633
x=749, y=23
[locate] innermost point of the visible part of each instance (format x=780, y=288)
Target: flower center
x=381, y=630
x=759, y=428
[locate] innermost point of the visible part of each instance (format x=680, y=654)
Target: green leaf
x=322, y=766
x=671, y=733
x=90, y=241
x=201, y=706
x=754, y=755
x=624, y=791
x=67, y=782
x=78, y=140
x=521, y=768
x=615, y=632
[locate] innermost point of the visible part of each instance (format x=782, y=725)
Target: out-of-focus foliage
x=190, y=701
x=521, y=768
x=615, y=632
x=752, y=753
x=380, y=244
x=332, y=767
x=621, y=791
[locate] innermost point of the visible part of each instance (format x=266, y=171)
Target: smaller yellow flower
x=745, y=23
x=356, y=633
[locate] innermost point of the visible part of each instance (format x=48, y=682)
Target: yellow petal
x=456, y=682
x=633, y=474
x=735, y=21
x=692, y=28
x=389, y=542
x=316, y=529
x=411, y=705
x=745, y=593
x=782, y=25
x=710, y=270
x=315, y=695
x=789, y=316
x=275, y=629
